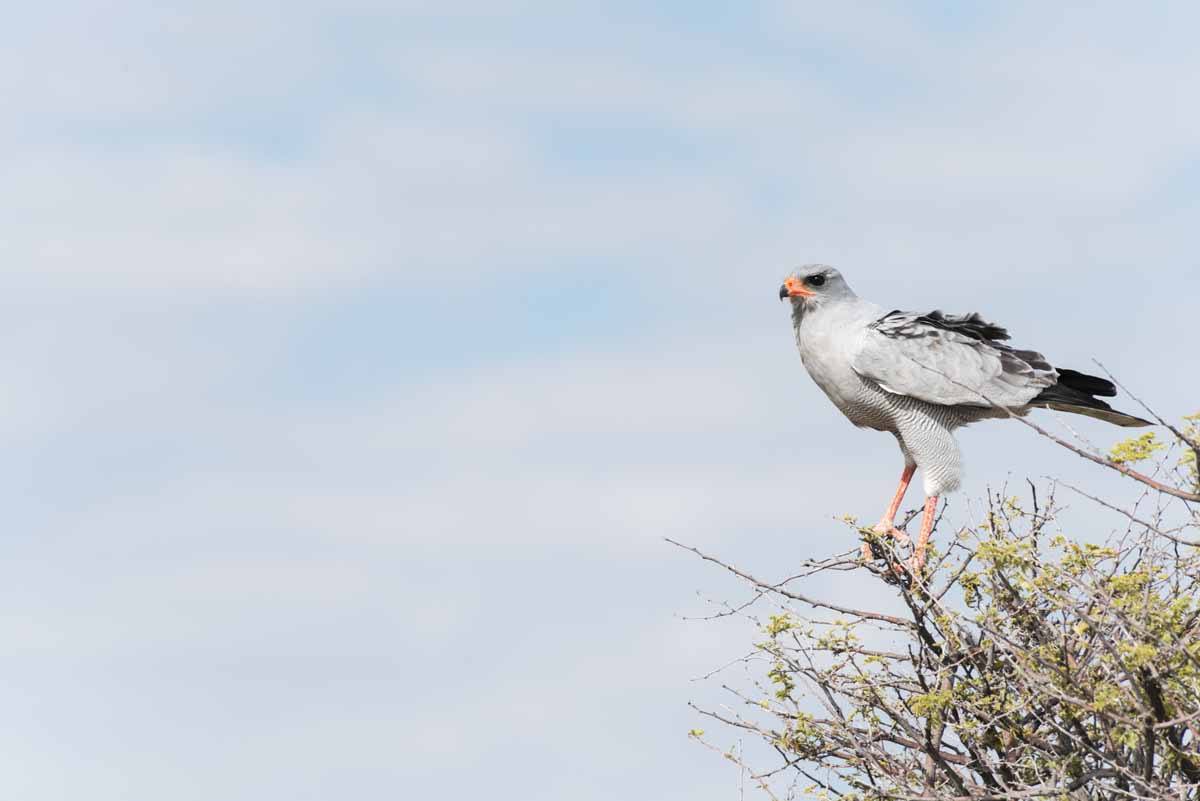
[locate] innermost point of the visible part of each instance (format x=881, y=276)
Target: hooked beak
x=794, y=288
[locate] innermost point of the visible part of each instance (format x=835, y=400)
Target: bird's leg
x=917, y=563
x=888, y=524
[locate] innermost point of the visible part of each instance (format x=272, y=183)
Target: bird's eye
x=815, y=280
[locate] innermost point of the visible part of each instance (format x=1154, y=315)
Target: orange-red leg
x=888, y=524
x=918, y=558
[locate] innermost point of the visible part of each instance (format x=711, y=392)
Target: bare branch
x=1034, y=666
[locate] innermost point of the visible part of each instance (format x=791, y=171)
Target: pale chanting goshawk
x=920, y=376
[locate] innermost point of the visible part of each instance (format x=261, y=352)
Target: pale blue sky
x=360, y=356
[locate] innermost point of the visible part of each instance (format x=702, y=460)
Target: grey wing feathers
x=949, y=360
x=971, y=325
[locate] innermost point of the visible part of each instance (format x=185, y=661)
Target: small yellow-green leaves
x=696, y=733
x=802, y=736
x=1129, y=738
x=1000, y=553
x=1137, y=655
x=970, y=586
x=1126, y=583
x=1135, y=449
x=779, y=675
x=1080, y=558
x=1106, y=697
x=777, y=624
x=930, y=704
x=1192, y=432
x=839, y=637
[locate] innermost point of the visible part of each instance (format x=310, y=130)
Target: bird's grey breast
x=827, y=340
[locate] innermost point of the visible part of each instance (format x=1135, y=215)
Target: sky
x=361, y=355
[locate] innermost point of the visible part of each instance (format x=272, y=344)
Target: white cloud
x=456, y=174
x=294, y=557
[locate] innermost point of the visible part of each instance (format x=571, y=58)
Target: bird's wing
x=949, y=360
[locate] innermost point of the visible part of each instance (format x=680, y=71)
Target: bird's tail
x=1075, y=393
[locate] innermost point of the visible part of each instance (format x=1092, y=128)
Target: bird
x=919, y=376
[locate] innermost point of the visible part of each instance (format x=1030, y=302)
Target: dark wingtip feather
x=1092, y=385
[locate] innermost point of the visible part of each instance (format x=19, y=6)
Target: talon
x=872, y=550
x=898, y=575
x=886, y=529
x=896, y=572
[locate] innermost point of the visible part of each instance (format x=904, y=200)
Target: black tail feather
x=1092, y=385
x=1075, y=393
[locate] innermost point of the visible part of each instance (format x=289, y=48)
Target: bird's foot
x=895, y=573
x=873, y=547
x=915, y=566
x=885, y=528
x=873, y=550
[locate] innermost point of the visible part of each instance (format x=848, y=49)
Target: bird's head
x=813, y=285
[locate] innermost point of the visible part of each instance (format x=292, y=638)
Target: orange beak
x=794, y=288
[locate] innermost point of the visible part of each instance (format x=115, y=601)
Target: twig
x=795, y=596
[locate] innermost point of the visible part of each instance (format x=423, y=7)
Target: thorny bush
x=1025, y=664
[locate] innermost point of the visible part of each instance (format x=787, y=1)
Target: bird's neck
x=798, y=312
x=809, y=311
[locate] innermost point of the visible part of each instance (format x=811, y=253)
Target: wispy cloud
x=358, y=358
